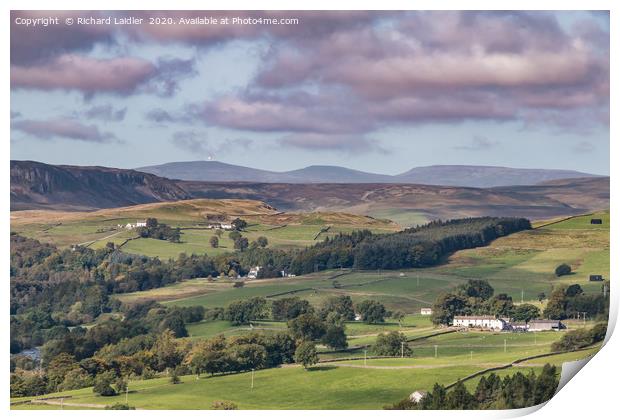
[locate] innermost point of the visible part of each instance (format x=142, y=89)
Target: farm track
x=89, y=243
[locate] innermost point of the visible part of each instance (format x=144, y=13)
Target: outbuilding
x=545, y=325
x=596, y=221
x=416, y=396
x=426, y=311
x=596, y=277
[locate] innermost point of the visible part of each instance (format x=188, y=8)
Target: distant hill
x=410, y=204
x=451, y=175
x=38, y=185
x=223, y=172
x=483, y=176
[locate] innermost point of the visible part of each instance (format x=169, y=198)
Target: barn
x=545, y=325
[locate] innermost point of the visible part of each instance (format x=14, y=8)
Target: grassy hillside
x=96, y=229
x=524, y=261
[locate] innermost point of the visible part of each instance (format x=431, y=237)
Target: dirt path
x=89, y=243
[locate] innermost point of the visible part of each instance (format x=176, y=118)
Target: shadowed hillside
x=38, y=185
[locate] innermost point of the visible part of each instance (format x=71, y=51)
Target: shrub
x=223, y=405
x=119, y=406
x=562, y=270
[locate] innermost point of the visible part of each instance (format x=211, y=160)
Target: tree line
x=477, y=297
x=492, y=393
x=144, y=342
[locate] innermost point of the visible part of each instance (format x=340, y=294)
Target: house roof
x=544, y=321
x=471, y=318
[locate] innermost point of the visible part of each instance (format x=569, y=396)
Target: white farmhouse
x=139, y=223
x=426, y=311
x=254, y=272
x=480, y=321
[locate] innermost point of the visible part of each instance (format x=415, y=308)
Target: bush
x=174, y=377
x=576, y=339
x=562, y=270
x=119, y=406
x=223, y=405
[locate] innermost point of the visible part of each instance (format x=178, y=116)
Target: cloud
x=85, y=74
x=309, y=24
x=583, y=147
x=63, y=128
x=32, y=45
x=159, y=115
x=170, y=71
x=192, y=142
x=197, y=144
x=336, y=78
x=298, y=112
x=105, y=113
x=478, y=143
x=122, y=75
x=321, y=142
x=506, y=63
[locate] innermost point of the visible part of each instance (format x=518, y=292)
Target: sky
x=374, y=91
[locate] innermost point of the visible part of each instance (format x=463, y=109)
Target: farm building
x=544, y=325
x=479, y=321
x=426, y=311
x=596, y=221
x=139, y=223
x=253, y=273
x=518, y=326
x=224, y=226
x=416, y=396
x=596, y=277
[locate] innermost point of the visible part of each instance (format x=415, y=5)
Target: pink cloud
x=64, y=128
x=74, y=72
x=31, y=45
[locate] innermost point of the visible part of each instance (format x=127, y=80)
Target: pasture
x=96, y=229
x=521, y=265
x=352, y=384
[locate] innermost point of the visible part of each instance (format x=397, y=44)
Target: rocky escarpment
x=39, y=185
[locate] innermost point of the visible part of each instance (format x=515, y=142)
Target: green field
x=522, y=263
x=355, y=384
x=282, y=230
